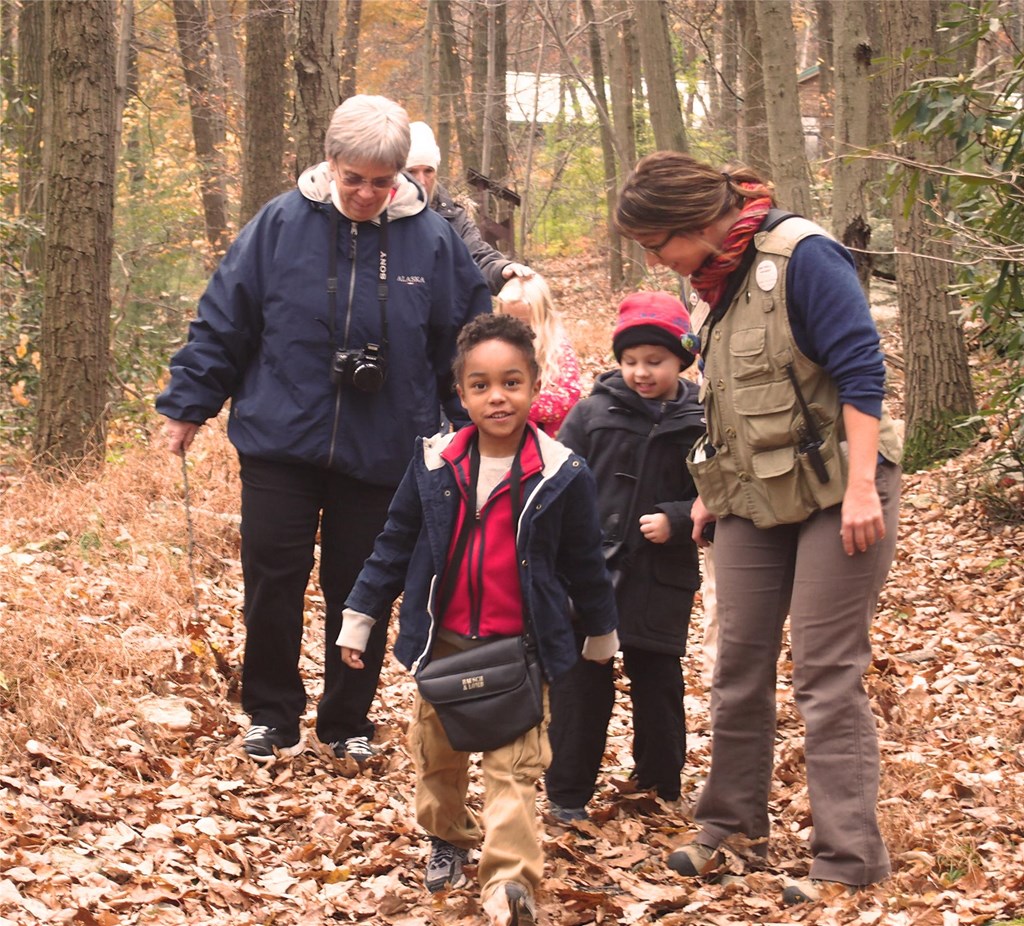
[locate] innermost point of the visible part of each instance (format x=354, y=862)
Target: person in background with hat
x=635, y=431
x=422, y=163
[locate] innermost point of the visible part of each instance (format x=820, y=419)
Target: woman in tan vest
x=800, y=472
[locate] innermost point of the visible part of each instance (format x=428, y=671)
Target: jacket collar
x=409, y=199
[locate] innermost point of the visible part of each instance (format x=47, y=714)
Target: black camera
x=364, y=369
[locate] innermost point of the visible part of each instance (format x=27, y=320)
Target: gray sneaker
x=444, y=867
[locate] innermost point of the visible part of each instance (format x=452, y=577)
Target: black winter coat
x=490, y=261
x=639, y=463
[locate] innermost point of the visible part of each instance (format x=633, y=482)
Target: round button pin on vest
x=767, y=275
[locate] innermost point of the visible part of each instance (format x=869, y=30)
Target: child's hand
x=655, y=527
x=352, y=657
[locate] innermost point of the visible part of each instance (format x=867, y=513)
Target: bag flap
x=474, y=673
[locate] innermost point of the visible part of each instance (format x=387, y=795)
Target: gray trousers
x=799, y=570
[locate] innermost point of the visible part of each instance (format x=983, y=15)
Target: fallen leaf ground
x=124, y=799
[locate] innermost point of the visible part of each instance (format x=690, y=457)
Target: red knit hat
x=652, y=318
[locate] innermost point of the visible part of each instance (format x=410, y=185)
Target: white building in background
x=543, y=94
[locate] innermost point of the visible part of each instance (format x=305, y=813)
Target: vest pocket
x=747, y=349
x=707, y=476
x=767, y=410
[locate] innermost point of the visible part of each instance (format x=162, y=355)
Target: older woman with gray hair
x=330, y=324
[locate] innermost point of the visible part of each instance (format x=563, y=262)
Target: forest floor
x=124, y=796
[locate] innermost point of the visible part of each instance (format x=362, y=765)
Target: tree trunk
x=753, y=147
x=31, y=175
x=851, y=222
x=727, y=113
x=263, y=175
x=207, y=109
x=939, y=392
x=428, y=102
x=825, y=25
x=782, y=106
x=655, y=43
x=8, y=79
x=453, y=86
x=480, y=26
x=80, y=140
x=622, y=65
x=597, y=69
x=317, y=79
x=350, y=48
x=228, y=61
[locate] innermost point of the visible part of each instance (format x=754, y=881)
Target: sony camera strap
x=382, y=284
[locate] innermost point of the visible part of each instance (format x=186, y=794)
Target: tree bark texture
x=938, y=380
x=31, y=59
x=263, y=175
x=753, y=147
x=80, y=140
x=852, y=58
x=655, y=43
x=782, y=106
x=824, y=22
x=623, y=68
x=350, y=48
x=453, y=86
x=317, y=78
x=727, y=111
x=207, y=109
x=597, y=69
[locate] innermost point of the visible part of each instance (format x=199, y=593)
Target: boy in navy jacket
x=516, y=574
x=635, y=431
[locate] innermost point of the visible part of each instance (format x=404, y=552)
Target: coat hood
x=408, y=199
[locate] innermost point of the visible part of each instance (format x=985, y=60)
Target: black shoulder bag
x=491, y=694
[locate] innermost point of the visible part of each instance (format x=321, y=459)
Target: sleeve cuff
x=355, y=630
x=598, y=649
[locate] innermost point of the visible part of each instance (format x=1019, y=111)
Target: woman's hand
x=178, y=435
x=862, y=523
x=656, y=527
x=701, y=518
x=353, y=658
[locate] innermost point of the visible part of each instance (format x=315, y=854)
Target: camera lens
x=368, y=376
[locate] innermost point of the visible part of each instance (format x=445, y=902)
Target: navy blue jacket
x=263, y=335
x=638, y=456
x=558, y=543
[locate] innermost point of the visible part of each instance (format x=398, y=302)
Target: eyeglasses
x=354, y=182
x=656, y=249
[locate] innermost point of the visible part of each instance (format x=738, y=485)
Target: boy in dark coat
x=635, y=431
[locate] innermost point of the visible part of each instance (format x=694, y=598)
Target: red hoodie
x=486, y=599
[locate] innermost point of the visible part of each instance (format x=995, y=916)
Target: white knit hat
x=423, y=150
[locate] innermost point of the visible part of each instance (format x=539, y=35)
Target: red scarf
x=710, y=278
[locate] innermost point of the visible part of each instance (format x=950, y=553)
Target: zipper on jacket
x=348, y=323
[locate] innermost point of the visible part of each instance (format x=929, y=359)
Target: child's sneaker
x=510, y=904
x=694, y=860
x=264, y=744
x=356, y=747
x=567, y=814
x=444, y=867
x=812, y=890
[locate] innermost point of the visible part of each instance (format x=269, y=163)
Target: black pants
x=283, y=504
x=581, y=706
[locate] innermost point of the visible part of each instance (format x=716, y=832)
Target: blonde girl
x=529, y=300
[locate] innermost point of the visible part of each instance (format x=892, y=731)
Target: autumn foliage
x=124, y=797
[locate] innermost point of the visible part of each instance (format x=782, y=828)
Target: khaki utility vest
x=749, y=463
